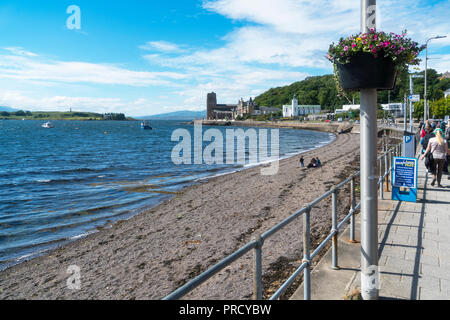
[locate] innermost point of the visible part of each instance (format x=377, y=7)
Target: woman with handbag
x=429, y=157
x=438, y=147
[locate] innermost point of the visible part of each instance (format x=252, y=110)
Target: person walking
x=447, y=137
x=427, y=138
x=302, y=162
x=438, y=147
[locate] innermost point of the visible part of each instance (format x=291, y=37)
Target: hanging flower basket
x=372, y=60
x=364, y=71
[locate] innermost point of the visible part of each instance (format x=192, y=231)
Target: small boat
x=145, y=125
x=48, y=125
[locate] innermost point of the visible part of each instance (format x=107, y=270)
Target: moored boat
x=145, y=125
x=48, y=125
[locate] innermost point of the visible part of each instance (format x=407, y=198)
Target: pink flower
x=346, y=48
x=353, y=45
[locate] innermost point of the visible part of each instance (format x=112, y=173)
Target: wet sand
x=157, y=251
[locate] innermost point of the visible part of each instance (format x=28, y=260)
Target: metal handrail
x=257, y=244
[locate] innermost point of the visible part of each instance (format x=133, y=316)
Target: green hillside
x=321, y=90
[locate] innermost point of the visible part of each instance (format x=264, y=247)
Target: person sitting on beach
x=319, y=164
x=313, y=163
x=302, y=162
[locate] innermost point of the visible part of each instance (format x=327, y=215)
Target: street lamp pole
x=411, y=92
x=425, y=106
x=369, y=176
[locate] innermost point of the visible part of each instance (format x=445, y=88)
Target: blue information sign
x=404, y=176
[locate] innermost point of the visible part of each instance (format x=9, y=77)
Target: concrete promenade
x=414, y=250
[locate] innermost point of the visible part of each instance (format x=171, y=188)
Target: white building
x=348, y=107
x=291, y=111
x=304, y=110
x=396, y=109
x=294, y=110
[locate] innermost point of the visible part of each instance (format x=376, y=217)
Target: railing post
x=352, y=207
x=334, y=248
x=387, y=169
x=257, y=269
x=380, y=184
x=307, y=254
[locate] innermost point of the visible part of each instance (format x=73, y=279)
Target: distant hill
x=56, y=115
x=8, y=109
x=178, y=115
x=321, y=90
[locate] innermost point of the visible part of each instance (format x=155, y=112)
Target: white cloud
x=20, y=52
x=28, y=68
x=275, y=43
x=22, y=100
x=162, y=46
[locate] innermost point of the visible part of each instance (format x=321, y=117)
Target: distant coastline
x=67, y=116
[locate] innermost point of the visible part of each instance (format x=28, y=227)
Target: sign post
x=404, y=179
x=369, y=176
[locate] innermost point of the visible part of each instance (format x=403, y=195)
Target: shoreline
x=169, y=213
x=335, y=128
x=48, y=249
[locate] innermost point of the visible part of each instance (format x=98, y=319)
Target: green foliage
x=418, y=109
x=54, y=115
x=321, y=90
x=440, y=108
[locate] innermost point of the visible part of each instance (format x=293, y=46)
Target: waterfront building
x=394, y=109
x=294, y=109
x=215, y=111
x=245, y=108
x=291, y=111
x=304, y=110
x=267, y=110
x=349, y=107
x=445, y=76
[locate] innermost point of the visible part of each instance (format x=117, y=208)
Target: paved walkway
x=414, y=244
x=414, y=248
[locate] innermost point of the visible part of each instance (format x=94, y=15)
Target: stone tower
x=211, y=104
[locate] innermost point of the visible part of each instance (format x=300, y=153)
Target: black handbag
x=429, y=160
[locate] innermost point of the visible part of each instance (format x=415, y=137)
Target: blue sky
x=148, y=57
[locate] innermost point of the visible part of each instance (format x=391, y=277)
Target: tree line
x=64, y=115
x=321, y=90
